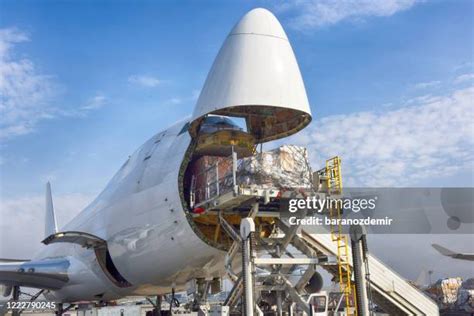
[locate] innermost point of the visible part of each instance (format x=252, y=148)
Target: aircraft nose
x=256, y=76
x=259, y=21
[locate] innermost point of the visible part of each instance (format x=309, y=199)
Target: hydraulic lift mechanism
x=263, y=267
x=268, y=263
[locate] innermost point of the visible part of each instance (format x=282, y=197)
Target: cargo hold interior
x=208, y=173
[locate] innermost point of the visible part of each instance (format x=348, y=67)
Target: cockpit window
x=213, y=124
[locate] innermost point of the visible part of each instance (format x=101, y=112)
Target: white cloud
x=25, y=94
x=175, y=101
x=9, y=37
x=22, y=221
x=432, y=137
x=185, y=99
x=144, y=81
x=429, y=84
x=94, y=103
x=464, y=65
x=308, y=14
x=464, y=78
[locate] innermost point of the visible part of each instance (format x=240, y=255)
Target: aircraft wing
x=465, y=256
x=13, y=260
x=449, y=253
x=50, y=274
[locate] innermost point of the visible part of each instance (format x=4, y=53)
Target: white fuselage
x=141, y=217
x=140, y=214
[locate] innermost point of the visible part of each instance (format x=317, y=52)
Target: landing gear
x=156, y=306
x=16, y=292
x=157, y=311
x=15, y=297
x=173, y=301
x=60, y=309
x=200, y=295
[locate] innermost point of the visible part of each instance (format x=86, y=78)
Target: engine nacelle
x=315, y=284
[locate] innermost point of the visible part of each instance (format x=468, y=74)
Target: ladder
x=334, y=187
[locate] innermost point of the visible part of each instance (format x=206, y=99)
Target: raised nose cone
x=256, y=76
x=260, y=22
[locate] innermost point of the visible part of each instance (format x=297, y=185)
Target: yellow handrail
x=334, y=186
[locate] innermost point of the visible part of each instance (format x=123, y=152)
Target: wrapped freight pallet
x=284, y=167
x=465, y=300
x=447, y=290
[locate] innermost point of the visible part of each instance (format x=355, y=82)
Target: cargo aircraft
x=142, y=235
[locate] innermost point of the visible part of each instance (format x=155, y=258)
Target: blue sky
x=84, y=83
x=93, y=50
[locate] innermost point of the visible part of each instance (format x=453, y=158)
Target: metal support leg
x=254, y=210
x=279, y=304
x=296, y=297
x=59, y=310
x=172, y=300
x=16, y=297
x=357, y=234
x=229, y=229
x=229, y=258
x=247, y=228
x=234, y=171
x=290, y=232
x=16, y=293
x=200, y=295
x=305, y=278
x=234, y=294
x=158, y=305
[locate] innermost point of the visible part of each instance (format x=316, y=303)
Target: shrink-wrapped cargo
x=449, y=289
x=465, y=300
x=284, y=167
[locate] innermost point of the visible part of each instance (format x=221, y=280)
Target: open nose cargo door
x=255, y=76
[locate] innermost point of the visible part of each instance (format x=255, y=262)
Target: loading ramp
x=390, y=291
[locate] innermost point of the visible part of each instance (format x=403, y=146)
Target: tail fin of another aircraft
x=50, y=224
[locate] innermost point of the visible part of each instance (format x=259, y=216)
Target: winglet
x=50, y=225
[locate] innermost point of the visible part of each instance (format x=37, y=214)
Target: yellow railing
x=334, y=186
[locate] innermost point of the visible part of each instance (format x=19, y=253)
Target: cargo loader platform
x=228, y=193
